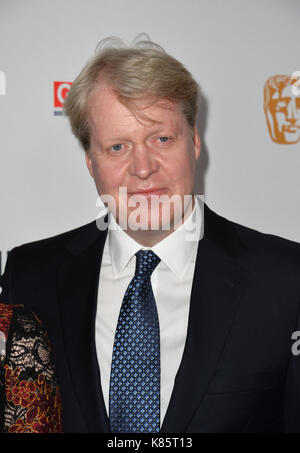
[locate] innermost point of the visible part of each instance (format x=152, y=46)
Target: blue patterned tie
x=134, y=399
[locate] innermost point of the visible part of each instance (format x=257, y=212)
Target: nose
x=292, y=112
x=143, y=162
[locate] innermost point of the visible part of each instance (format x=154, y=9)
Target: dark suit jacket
x=237, y=372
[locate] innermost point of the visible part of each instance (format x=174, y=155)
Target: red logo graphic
x=61, y=90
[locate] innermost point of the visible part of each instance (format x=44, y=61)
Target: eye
x=116, y=147
x=164, y=139
x=281, y=106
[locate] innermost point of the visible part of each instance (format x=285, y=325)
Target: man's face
x=125, y=152
x=284, y=116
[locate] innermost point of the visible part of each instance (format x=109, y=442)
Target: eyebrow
x=120, y=138
x=285, y=98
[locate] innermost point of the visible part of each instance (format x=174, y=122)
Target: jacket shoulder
x=261, y=246
x=272, y=242
x=57, y=242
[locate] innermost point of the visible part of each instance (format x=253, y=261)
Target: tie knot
x=146, y=262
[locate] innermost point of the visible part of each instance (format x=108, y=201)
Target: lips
x=293, y=128
x=148, y=192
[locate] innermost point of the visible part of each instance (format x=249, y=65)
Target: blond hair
x=141, y=72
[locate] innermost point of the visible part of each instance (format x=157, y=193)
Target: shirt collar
x=176, y=250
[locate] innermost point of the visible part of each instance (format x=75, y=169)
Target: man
x=153, y=329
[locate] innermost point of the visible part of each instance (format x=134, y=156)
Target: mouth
x=291, y=128
x=149, y=192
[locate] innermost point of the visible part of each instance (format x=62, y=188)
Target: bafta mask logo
x=282, y=108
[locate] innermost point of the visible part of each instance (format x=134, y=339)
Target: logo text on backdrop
x=2, y=83
x=60, y=91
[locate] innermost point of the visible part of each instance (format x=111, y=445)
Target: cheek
x=280, y=117
x=181, y=170
x=108, y=177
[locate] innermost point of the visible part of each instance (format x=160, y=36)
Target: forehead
x=107, y=113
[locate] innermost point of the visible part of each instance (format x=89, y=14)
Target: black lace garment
x=29, y=394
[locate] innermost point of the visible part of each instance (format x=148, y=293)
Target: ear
x=89, y=164
x=197, y=143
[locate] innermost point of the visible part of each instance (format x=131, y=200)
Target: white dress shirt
x=171, y=282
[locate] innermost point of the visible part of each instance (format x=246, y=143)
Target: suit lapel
x=216, y=292
x=78, y=280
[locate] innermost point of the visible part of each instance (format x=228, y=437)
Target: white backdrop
x=231, y=47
